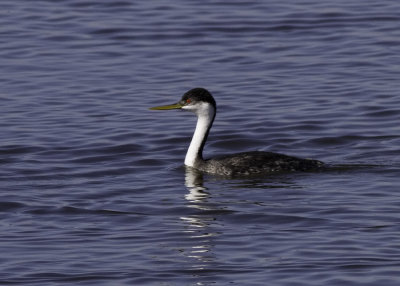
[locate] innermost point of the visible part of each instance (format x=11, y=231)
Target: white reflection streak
x=194, y=222
x=197, y=192
x=197, y=224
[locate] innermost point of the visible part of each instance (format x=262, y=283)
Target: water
x=93, y=191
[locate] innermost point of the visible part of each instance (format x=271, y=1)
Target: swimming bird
x=202, y=103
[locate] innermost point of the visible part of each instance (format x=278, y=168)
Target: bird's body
x=201, y=102
x=256, y=163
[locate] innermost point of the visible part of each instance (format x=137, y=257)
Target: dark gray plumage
x=256, y=163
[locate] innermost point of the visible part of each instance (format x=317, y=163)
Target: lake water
x=93, y=188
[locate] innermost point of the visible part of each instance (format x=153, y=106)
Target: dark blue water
x=93, y=191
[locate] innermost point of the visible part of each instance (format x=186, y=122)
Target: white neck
x=205, y=113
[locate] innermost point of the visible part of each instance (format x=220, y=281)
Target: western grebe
x=201, y=102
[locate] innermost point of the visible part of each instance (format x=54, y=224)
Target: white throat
x=205, y=113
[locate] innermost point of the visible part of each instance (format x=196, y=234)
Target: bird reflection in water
x=201, y=224
x=194, y=183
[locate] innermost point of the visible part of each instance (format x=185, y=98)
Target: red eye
x=188, y=101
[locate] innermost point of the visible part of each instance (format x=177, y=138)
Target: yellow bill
x=167, y=107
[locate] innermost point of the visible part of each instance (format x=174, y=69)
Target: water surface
x=93, y=187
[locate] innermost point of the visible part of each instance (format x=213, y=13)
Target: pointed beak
x=167, y=107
